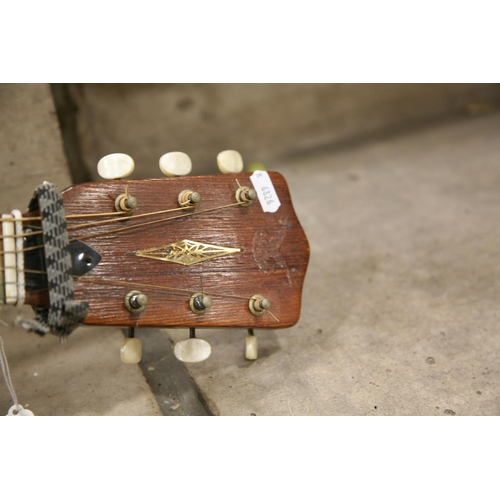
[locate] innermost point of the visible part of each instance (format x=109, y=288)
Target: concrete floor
x=400, y=313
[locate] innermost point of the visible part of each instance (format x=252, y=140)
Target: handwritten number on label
x=266, y=193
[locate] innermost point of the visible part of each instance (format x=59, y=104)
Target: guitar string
x=129, y=217
x=125, y=282
x=120, y=217
x=128, y=228
x=72, y=216
x=134, y=226
x=91, y=215
x=96, y=223
x=159, y=288
x=76, y=216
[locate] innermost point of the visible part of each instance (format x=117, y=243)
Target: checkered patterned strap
x=64, y=313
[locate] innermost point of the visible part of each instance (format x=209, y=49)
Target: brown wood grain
x=272, y=262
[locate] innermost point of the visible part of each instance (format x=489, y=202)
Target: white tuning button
x=131, y=350
x=175, y=164
x=251, y=346
x=192, y=350
x=115, y=166
x=230, y=162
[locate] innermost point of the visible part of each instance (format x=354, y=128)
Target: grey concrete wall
x=265, y=122
x=30, y=144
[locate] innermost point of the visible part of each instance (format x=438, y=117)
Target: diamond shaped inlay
x=186, y=252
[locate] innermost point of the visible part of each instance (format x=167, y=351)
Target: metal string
x=96, y=223
x=127, y=228
x=158, y=288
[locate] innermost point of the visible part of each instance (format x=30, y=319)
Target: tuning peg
x=192, y=350
x=251, y=345
x=131, y=349
x=258, y=305
x=135, y=301
x=175, y=164
x=115, y=166
x=200, y=303
x=230, y=162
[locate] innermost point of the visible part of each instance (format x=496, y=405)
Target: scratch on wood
x=266, y=250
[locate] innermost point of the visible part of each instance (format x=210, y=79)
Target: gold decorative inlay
x=186, y=252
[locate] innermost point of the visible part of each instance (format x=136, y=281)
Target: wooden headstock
x=206, y=251
x=149, y=250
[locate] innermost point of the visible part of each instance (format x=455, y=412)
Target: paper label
x=266, y=193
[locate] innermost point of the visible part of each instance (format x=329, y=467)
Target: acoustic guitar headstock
x=193, y=252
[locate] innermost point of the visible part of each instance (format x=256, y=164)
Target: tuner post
x=125, y=203
x=200, y=303
x=136, y=301
x=258, y=305
x=245, y=196
x=188, y=198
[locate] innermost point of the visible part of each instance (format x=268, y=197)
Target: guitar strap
x=64, y=313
